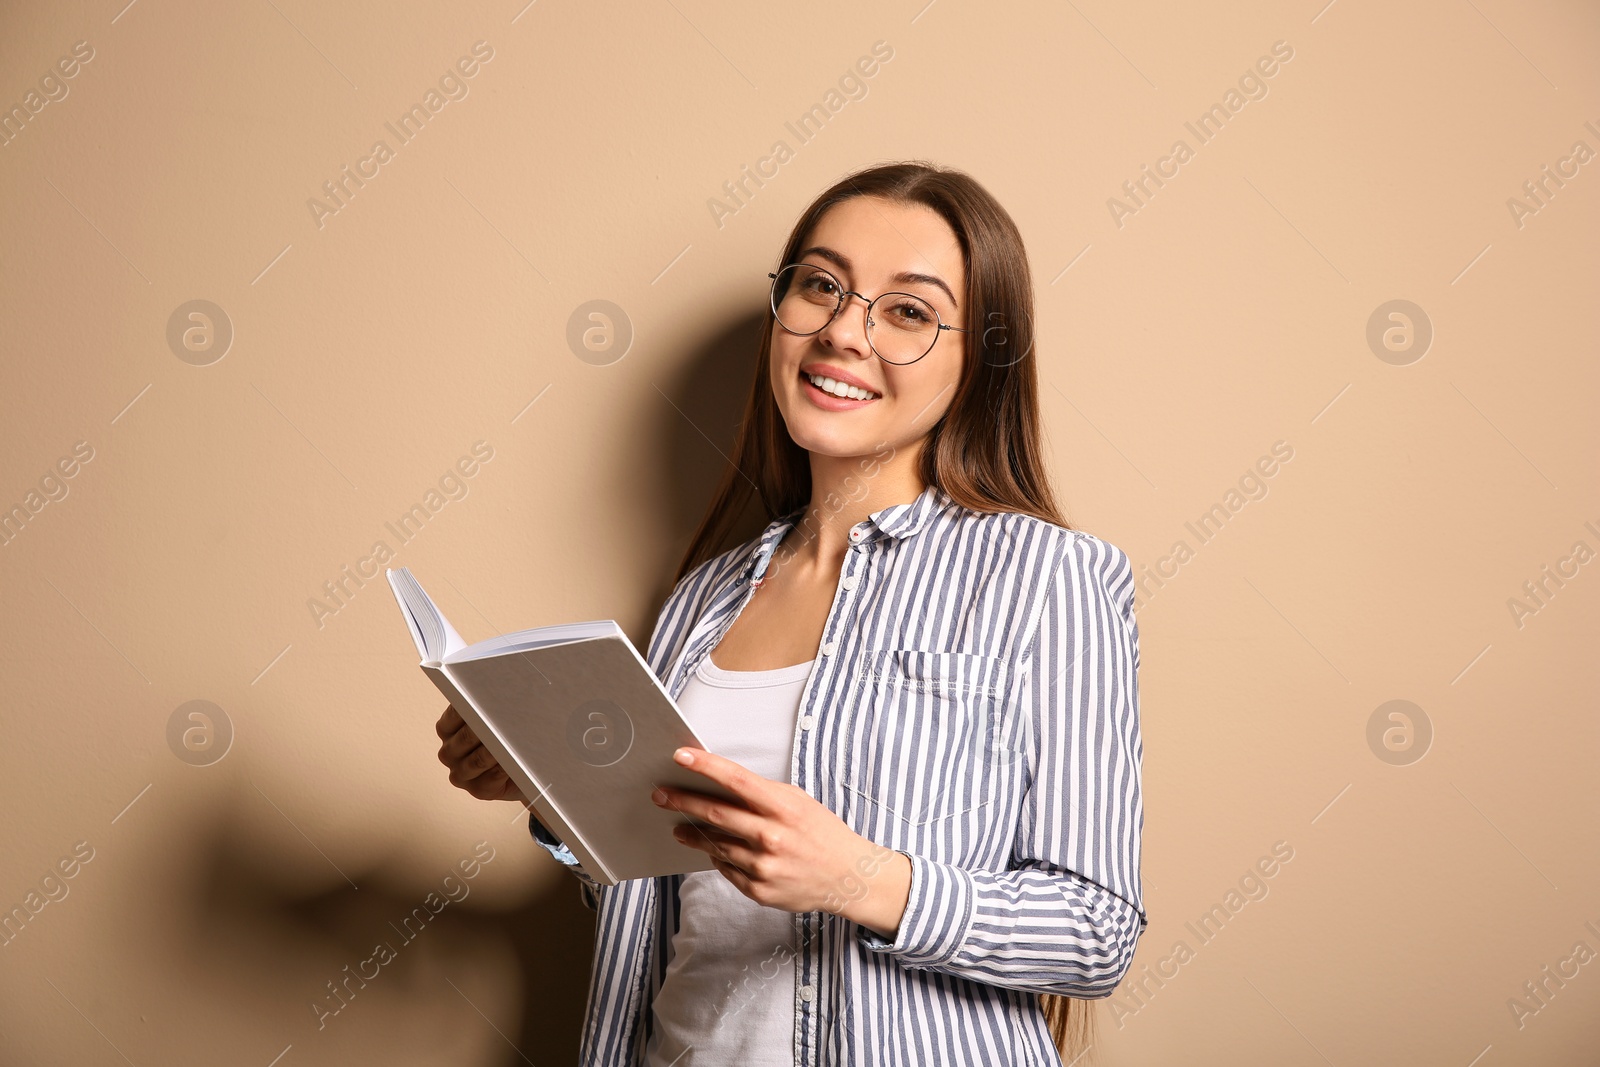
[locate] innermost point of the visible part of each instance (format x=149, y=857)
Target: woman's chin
x=818, y=438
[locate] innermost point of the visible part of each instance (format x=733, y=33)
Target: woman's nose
x=848, y=329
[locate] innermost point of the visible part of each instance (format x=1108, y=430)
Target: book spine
x=543, y=805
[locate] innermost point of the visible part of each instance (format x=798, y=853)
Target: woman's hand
x=471, y=766
x=783, y=849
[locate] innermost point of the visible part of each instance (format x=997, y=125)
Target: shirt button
x=849, y=581
x=827, y=649
x=806, y=721
x=855, y=535
x=807, y=992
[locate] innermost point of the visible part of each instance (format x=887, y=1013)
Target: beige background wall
x=372, y=347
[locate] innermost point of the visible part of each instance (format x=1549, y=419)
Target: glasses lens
x=902, y=327
x=804, y=298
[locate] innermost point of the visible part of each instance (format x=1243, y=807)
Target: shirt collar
x=902, y=520
x=898, y=521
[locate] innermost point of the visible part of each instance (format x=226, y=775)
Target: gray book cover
x=580, y=722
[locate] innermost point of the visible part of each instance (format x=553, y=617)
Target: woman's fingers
x=493, y=784
x=728, y=816
x=509, y=790
x=719, y=845
x=457, y=745
x=472, y=767
x=449, y=722
x=479, y=774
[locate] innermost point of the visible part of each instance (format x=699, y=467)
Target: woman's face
x=873, y=246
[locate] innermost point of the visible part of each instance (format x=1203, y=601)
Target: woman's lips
x=827, y=401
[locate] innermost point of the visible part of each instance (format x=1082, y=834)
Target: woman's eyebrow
x=843, y=262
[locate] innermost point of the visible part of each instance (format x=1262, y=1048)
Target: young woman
x=919, y=680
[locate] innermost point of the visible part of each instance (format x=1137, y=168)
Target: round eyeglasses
x=901, y=328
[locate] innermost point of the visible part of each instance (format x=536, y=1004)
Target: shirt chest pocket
x=931, y=739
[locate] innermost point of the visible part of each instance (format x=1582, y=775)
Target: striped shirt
x=974, y=705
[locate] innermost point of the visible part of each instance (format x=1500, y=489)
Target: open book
x=580, y=722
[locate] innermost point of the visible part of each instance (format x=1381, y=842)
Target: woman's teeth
x=828, y=385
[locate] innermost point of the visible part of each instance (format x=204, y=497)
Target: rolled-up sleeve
x=1067, y=915
x=557, y=848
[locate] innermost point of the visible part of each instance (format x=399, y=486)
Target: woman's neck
x=845, y=491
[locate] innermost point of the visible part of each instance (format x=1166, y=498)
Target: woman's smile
x=835, y=394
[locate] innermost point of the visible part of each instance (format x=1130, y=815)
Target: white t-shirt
x=728, y=997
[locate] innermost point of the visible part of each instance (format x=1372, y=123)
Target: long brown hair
x=985, y=452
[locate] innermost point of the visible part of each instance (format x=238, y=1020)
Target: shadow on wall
x=446, y=970
x=446, y=976
x=696, y=433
